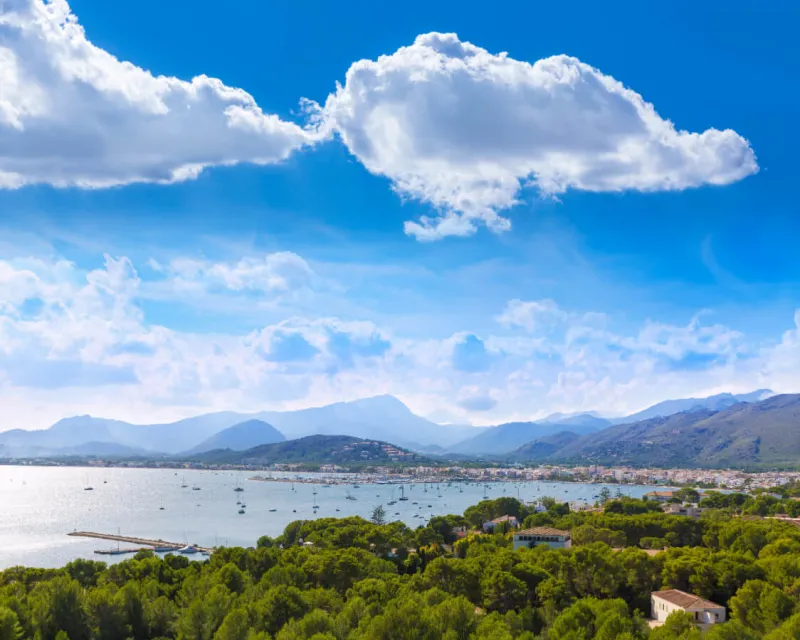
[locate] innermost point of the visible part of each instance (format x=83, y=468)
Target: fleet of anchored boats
x=190, y=549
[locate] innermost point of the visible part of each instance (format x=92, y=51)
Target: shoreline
x=736, y=480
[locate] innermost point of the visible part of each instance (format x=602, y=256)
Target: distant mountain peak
x=241, y=436
x=385, y=401
x=716, y=403
x=559, y=416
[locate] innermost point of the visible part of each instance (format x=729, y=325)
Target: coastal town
x=731, y=479
x=705, y=478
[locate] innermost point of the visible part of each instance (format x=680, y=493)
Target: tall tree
x=378, y=515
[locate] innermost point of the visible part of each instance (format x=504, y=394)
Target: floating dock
x=145, y=543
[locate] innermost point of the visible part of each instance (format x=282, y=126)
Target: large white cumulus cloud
x=463, y=129
x=73, y=114
x=449, y=123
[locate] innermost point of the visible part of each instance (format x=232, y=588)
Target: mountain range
x=382, y=418
x=559, y=436
x=763, y=433
x=507, y=437
x=714, y=403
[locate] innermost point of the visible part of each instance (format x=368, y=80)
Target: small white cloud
x=73, y=114
x=472, y=399
x=531, y=315
x=274, y=273
x=463, y=129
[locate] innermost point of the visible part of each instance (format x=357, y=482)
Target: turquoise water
x=40, y=505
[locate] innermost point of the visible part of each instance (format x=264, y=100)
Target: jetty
x=142, y=543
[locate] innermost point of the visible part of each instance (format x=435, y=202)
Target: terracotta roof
x=503, y=519
x=542, y=531
x=649, y=552
x=685, y=600
x=663, y=494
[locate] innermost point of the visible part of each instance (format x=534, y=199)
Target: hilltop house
x=660, y=496
x=490, y=526
x=705, y=612
x=683, y=510
x=580, y=505
x=555, y=538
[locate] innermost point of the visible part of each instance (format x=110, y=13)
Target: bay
x=40, y=505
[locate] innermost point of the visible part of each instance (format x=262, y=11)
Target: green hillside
x=543, y=448
x=317, y=449
x=759, y=434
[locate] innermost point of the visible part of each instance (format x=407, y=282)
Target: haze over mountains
x=507, y=437
x=382, y=418
x=714, y=403
x=579, y=437
x=240, y=437
x=760, y=433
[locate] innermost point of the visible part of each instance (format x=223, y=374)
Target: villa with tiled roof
x=556, y=538
x=705, y=612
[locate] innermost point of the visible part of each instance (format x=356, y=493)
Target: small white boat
x=188, y=549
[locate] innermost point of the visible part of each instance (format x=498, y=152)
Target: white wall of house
x=709, y=616
x=660, y=610
x=556, y=542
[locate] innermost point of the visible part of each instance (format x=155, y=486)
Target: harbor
x=158, y=509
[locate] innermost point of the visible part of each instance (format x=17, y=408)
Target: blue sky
x=580, y=252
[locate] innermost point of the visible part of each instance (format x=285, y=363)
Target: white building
x=491, y=525
x=705, y=612
x=683, y=510
x=660, y=496
x=580, y=505
x=555, y=538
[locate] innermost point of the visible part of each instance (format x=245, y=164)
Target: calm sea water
x=40, y=505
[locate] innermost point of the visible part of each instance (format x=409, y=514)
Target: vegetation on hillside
x=353, y=579
x=315, y=450
x=745, y=435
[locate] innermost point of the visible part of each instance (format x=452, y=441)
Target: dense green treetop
x=356, y=579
